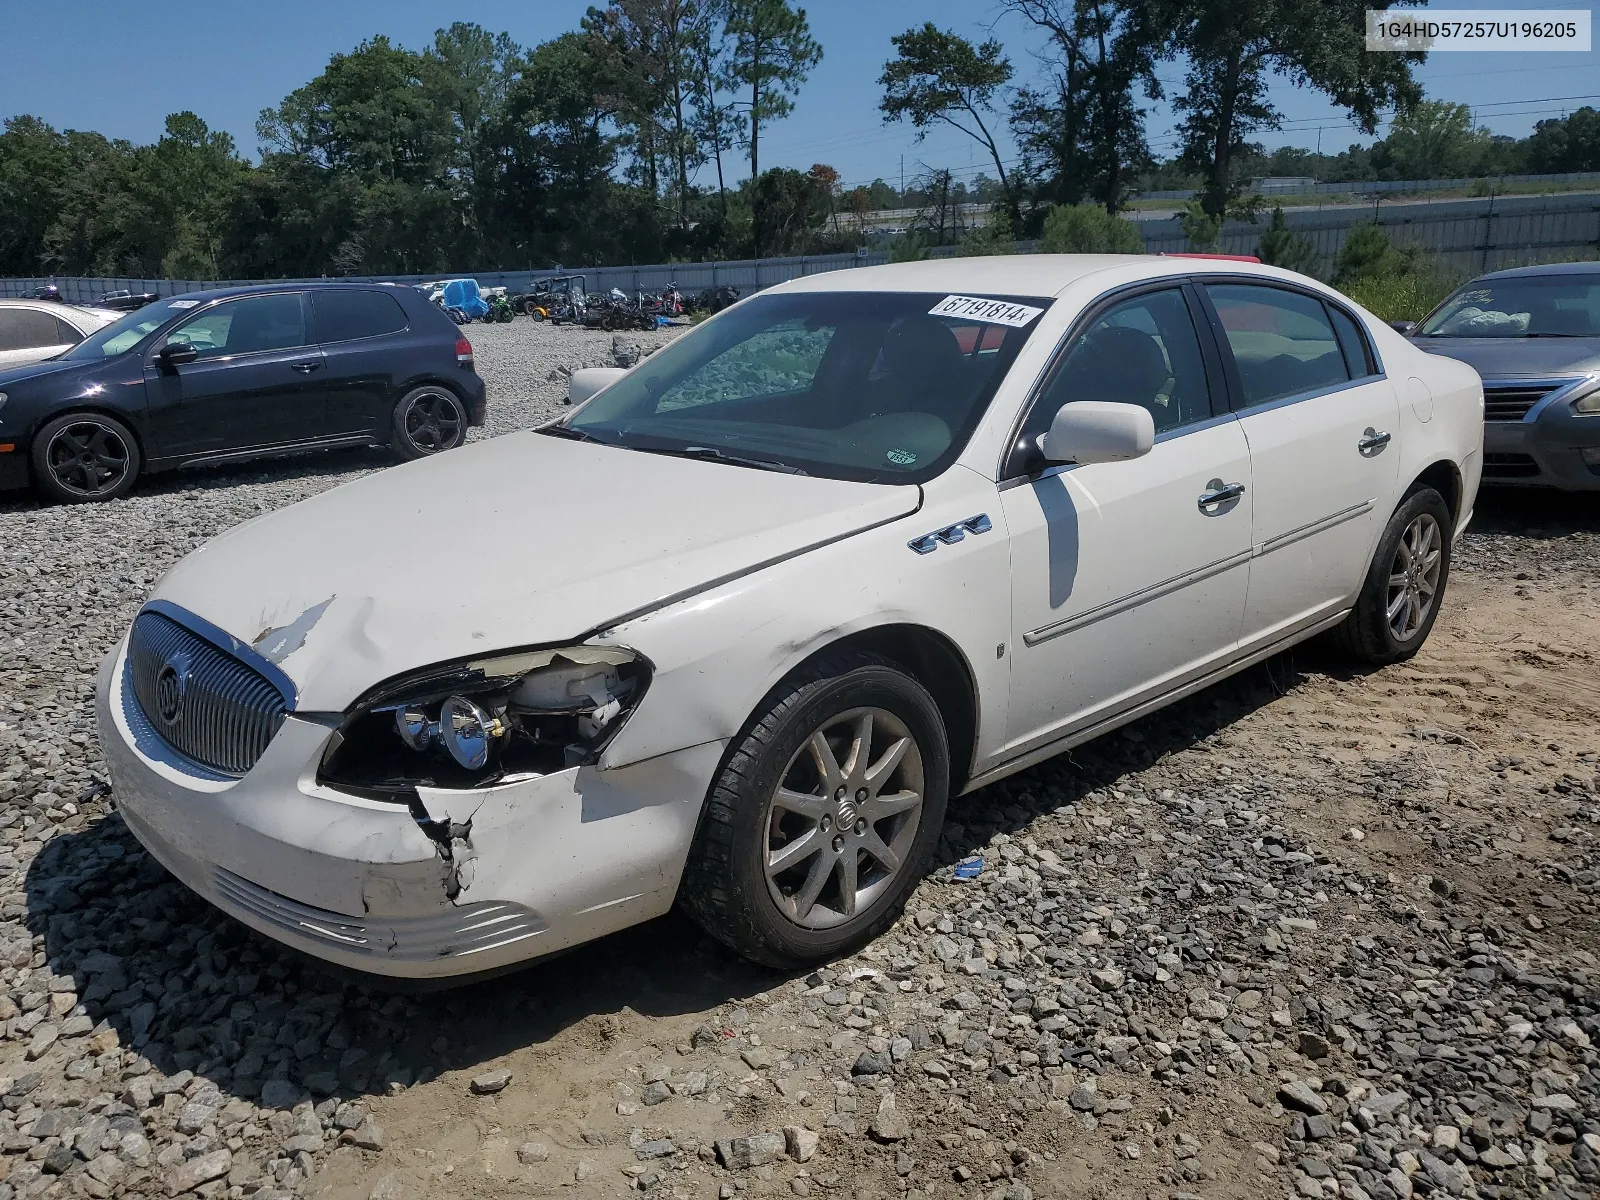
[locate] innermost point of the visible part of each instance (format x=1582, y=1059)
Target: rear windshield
x=873, y=386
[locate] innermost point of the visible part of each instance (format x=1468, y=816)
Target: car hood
x=1514, y=357
x=62, y=370
x=520, y=540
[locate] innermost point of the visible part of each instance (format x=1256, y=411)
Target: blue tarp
x=464, y=294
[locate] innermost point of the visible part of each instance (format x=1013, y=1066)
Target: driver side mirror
x=175, y=354
x=1096, y=431
x=1403, y=327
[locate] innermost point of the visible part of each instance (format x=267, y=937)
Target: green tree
x=1282, y=248
x=942, y=78
x=794, y=206
x=717, y=125
x=1084, y=134
x=476, y=72
x=1434, y=139
x=1570, y=143
x=771, y=54
x=34, y=168
x=1088, y=229
x=1234, y=49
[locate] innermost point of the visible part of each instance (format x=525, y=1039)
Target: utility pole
x=902, y=181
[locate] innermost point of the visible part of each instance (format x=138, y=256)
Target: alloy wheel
x=434, y=422
x=841, y=824
x=1414, y=577
x=88, y=458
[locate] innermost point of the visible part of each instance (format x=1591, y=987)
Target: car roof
x=1566, y=268
x=1021, y=274
x=287, y=285
x=95, y=314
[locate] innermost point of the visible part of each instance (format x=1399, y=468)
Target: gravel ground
x=1308, y=933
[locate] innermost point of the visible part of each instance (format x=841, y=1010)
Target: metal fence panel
x=1463, y=236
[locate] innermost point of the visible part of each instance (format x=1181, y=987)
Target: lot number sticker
x=994, y=312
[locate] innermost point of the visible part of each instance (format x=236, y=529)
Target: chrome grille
x=1512, y=402
x=202, y=701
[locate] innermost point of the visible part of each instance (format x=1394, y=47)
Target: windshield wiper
x=715, y=455
x=574, y=434
x=1557, y=335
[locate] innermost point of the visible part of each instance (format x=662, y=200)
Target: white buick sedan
x=733, y=632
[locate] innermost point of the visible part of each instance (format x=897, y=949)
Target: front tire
x=1405, y=585
x=81, y=458
x=428, y=420
x=824, y=815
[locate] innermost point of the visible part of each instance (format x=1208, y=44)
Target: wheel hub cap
x=1414, y=577
x=841, y=824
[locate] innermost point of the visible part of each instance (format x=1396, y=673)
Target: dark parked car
x=1533, y=333
x=125, y=301
x=239, y=373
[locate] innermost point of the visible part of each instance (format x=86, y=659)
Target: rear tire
x=823, y=816
x=81, y=458
x=1405, y=584
x=428, y=420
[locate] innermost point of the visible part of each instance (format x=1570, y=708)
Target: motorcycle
x=499, y=309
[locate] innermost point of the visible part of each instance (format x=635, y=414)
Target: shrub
x=909, y=247
x=992, y=237
x=1402, y=297
x=1088, y=229
x=1288, y=250
x=1203, y=230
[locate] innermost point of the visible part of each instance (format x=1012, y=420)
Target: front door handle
x=1218, y=492
x=1373, y=441
x=305, y=368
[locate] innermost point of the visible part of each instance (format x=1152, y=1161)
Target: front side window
x=248, y=325
x=346, y=316
x=873, y=386
x=1142, y=351
x=1282, y=341
x=1522, y=306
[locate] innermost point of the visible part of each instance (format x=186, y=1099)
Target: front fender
x=717, y=654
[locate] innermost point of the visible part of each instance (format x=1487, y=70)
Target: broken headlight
x=486, y=721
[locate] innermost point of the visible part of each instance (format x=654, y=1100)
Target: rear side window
x=30, y=329
x=1356, y=355
x=1282, y=341
x=346, y=316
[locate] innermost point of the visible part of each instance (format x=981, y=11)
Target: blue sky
x=120, y=68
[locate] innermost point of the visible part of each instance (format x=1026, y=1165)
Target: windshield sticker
x=182, y=303
x=994, y=312
x=901, y=458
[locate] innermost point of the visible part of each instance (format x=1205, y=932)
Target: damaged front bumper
x=493, y=877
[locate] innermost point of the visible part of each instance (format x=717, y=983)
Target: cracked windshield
x=854, y=385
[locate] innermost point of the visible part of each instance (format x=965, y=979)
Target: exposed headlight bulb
x=415, y=729
x=469, y=732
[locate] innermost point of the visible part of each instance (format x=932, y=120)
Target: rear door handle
x=305, y=368
x=1373, y=441
x=1218, y=492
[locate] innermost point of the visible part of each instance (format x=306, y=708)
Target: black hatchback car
x=239, y=373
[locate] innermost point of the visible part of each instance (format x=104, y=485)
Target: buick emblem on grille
x=171, y=683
